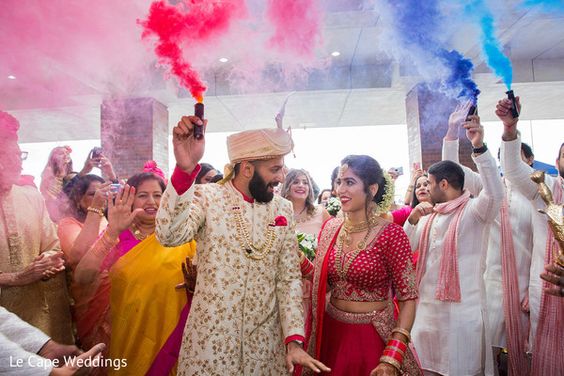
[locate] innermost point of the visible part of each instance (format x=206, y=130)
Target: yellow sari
x=145, y=306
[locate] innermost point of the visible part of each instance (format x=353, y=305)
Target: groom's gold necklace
x=252, y=250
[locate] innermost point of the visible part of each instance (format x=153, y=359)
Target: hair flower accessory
x=151, y=166
x=280, y=221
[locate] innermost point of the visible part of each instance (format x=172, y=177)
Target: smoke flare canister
x=514, y=110
x=473, y=110
x=199, y=129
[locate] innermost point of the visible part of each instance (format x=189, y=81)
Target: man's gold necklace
x=252, y=250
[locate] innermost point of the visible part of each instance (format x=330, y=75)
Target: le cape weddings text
x=38, y=362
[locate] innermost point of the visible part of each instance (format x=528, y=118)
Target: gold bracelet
x=108, y=239
x=391, y=361
x=403, y=331
x=98, y=211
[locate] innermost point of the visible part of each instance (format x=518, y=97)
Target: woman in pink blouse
x=417, y=192
x=360, y=259
x=84, y=219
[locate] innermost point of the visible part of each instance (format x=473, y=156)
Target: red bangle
x=397, y=343
x=393, y=354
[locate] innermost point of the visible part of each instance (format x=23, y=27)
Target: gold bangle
x=108, y=239
x=403, y=331
x=98, y=211
x=391, y=361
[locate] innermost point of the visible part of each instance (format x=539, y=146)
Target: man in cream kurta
x=31, y=283
x=248, y=299
x=520, y=217
x=448, y=336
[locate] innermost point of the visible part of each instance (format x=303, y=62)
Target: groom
x=246, y=316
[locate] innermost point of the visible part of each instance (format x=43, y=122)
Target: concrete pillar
x=134, y=130
x=427, y=114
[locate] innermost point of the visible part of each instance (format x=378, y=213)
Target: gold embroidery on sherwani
x=243, y=309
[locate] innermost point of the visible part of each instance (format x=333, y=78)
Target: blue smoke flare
x=491, y=47
x=419, y=25
x=461, y=74
x=545, y=5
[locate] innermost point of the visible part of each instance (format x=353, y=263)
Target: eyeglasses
x=23, y=155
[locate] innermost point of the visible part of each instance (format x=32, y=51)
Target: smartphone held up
x=96, y=153
x=115, y=188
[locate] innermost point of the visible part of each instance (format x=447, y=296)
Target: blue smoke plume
x=491, y=47
x=545, y=5
x=460, y=74
x=418, y=26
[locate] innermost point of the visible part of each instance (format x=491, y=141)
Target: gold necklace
x=252, y=250
x=342, y=270
x=137, y=233
x=355, y=227
x=350, y=228
x=299, y=219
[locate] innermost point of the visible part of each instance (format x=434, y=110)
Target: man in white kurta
x=27, y=351
x=518, y=173
x=247, y=305
x=520, y=217
x=448, y=336
x=19, y=345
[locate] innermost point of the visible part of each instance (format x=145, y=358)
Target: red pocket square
x=280, y=221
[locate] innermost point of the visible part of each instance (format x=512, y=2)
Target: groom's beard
x=259, y=189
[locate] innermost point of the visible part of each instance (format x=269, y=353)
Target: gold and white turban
x=258, y=144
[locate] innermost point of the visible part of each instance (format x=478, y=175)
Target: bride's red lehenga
x=352, y=343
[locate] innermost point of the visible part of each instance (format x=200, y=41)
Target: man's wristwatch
x=480, y=150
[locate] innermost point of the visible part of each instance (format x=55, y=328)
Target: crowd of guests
x=461, y=279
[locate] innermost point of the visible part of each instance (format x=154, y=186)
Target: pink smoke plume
x=296, y=25
x=9, y=126
x=186, y=27
x=61, y=49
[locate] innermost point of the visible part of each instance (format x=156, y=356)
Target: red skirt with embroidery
x=349, y=348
